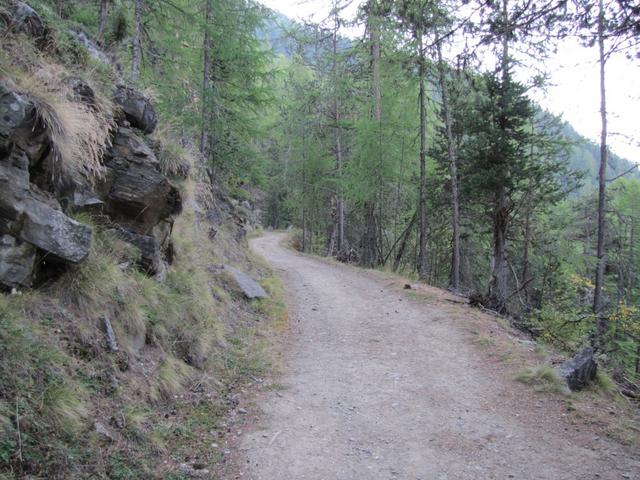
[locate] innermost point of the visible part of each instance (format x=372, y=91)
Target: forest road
x=376, y=384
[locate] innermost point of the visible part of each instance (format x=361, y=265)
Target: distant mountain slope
x=585, y=157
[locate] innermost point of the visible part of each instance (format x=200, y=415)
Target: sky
x=572, y=91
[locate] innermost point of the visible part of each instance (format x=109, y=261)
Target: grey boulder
x=137, y=108
x=26, y=19
x=579, y=371
x=54, y=232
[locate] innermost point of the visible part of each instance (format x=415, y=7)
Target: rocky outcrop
x=31, y=220
x=33, y=216
x=132, y=196
x=137, y=195
x=137, y=108
x=92, y=47
x=82, y=91
x=139, y=199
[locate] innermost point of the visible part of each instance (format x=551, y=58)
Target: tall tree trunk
x=338, y=131
x=498, y=285
x=372, y=255
x=601, y=250
x=454, y=277
x=633, y=266
x=422, y=241
x=525, y=254
x=304, y=191
x=136, y=56
x=102, y=22
x=404, y=236
x=206, y=84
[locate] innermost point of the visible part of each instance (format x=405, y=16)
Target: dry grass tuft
x=79, y=134
x=175, y=159
x=542, y=378
x=173, y=376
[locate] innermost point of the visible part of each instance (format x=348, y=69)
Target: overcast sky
x=573, y=91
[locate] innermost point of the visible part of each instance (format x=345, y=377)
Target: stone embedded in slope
x=17, y=260
x=137, y=195
x=26, y=19
x=34, y=217
x=54, y=232
x=150, y=255
x=137, y=108
x=13, y=111
x=248, y=285
x=82, y=91
x=579, y=371
x=92, y=47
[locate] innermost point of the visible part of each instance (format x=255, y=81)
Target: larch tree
x=136, y=53
x=422, y=19
x=372, y=249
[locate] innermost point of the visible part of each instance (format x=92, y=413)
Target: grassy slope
x=184, y=345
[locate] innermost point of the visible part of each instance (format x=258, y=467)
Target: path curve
x=377, y=385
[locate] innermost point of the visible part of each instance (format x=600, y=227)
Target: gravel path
x=377, y=385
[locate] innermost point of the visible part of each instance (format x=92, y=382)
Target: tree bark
x=454, y=277
x=206, y=84
x=525, y=254
x=104, y=11
x=498, y=284
x=338, y=131
x=601, y=249
x=136, y=56
x=372, y=254
x=422, y=241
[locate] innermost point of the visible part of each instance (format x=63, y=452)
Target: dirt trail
x=377, y=385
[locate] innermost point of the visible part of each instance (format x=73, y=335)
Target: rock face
x=133, y=197
x=136, y=195
x=137, y=108
x=248, y=285
x=580, y=370
x=13, y=113
x=17, y=260
x=139, y=199
x=151, y=259
x=31, y=220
